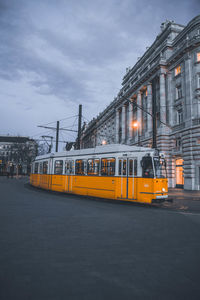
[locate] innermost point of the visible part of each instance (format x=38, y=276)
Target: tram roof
x=104, y=149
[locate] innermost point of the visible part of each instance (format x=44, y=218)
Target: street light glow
x=135, y=124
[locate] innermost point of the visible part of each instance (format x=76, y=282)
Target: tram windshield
x=147, y=167
x=160, y=167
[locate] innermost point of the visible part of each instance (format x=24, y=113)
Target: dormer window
x=177, y=70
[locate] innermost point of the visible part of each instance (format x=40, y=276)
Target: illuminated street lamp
x=103, y=142
x=136, y=125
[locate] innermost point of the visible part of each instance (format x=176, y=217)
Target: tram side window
x=41, y=168
x=36, y=168
x=58, y=167
x=93, y=166
x=135, y=167
x=69, y=167
x=45, y=167
x=122, y=167
x=81, y=167
x=130, y=167
x=108, y=166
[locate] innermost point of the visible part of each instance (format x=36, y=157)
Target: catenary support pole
x=57, y=135
x=79, y=126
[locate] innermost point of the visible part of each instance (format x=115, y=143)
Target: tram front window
x=147, y=167
x=160, y=167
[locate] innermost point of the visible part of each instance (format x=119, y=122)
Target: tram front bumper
x=160, y=198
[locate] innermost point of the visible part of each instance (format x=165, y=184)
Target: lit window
x=93, y=166
x=69, y=167
x=108, y=166
x=58, y=167
x=198, y=56
x=81, y=167
x=177, y=70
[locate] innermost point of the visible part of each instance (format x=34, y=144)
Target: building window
x=198, y=81
x=177, y=70
x=198, y=56
x=178, y=144
x=178, y=92
x=180, y=116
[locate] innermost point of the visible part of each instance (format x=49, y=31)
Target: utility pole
x=57, y=135
x=154, y=143
x=79, y=126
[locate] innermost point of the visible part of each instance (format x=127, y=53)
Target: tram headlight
x=163, y=189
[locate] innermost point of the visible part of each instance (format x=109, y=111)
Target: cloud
x=56, y=55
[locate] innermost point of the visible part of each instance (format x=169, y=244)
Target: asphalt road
x=56, y=246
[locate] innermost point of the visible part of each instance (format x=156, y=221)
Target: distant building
x=164, y=81
x=18, y=151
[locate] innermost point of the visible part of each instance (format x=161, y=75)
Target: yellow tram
x=115, y=171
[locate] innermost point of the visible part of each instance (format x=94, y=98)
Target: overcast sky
x=57, y=54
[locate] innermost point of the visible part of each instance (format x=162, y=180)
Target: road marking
x=190, y=213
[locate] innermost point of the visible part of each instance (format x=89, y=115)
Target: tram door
x=69, y=170
x=50, y=173
x=126, y=175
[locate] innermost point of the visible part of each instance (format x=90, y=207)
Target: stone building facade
x=165, y=83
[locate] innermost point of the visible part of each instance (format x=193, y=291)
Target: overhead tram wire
x=61, y=120
x=140, y=107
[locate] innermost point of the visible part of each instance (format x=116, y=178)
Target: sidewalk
x=182, y=194
x=182, y=200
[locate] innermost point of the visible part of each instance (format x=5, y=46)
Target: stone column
x=139, y=113
x=130, y=128
x=170, y=99
x=162, y=99
x=123, y=123
x=117, y=126
x=149, y=107
x=188, y=91
x=189, y=164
